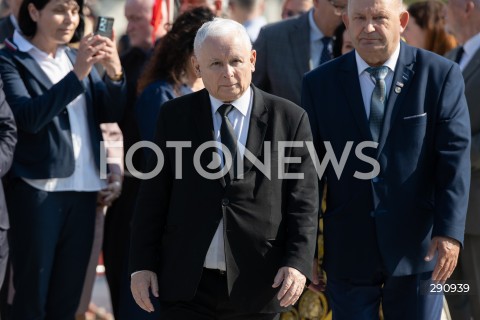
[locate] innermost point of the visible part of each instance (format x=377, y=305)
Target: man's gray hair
x=220, y=27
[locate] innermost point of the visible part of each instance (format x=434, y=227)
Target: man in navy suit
x=397, y=201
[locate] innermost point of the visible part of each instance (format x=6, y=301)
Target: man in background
x=118, y=218
x=288, y=49
x=462, y=19
x=9, y=23
x=293, y=8
x=249, y=13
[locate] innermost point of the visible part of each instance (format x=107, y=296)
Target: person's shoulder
x=278, y=104
x=156, y=88
x=428, y=59
x=278, y=28
x=9, y=50
x=332, y=67
x=183, y=105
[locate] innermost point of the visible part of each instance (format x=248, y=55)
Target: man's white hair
x=220, y=27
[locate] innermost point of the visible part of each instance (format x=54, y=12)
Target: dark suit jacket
x=8, y=139
x=283, y=57
x=6, y=28
x=44, y=148
x=268, y=223
x=471, y=74
x=422, y=188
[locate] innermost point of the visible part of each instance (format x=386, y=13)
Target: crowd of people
x=377, y=102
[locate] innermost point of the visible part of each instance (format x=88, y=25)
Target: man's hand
x=292, y=287
x=448, y=250
x=141, y=282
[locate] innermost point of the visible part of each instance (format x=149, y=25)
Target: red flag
x=157, y=18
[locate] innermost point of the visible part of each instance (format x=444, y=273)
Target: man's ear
x=196, y=66
x=470, y=7
x=404, y=17
x=345, y=20
x=32, y=10
x=253, y=59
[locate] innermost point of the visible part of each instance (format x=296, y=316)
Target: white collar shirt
x=240, y=119
x=367, y=82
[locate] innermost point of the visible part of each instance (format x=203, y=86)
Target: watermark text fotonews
x=222, y=160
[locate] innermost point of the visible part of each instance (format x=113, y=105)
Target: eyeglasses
x=338, y=9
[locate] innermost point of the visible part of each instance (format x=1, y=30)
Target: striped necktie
x=377, y=104
x=228, y=137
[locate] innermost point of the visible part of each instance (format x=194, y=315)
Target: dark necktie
x=228, y=137
x=377, y=105
x=459, y=55
x=325, y=55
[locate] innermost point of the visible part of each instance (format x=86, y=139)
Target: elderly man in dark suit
x=288, y=49
x=463, y=20
x=396, y=213
x=233, y=247
x=8, y=140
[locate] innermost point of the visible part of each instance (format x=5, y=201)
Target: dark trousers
x=401, y=298
x=50, y=239
x=211, y=302
x=116, y=244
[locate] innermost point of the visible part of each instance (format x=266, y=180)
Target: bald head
x=462, y=18
x=139, y=29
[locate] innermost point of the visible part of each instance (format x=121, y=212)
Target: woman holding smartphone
x=58, y=101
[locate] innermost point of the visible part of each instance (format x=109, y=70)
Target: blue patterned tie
x=228, y=137
x=377, y=105
x=325, y=55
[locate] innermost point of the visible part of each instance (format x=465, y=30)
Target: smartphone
x=104, y=27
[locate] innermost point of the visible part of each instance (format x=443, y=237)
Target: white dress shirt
x=469, y=49
x=86, y=176
x=367, y=82
x=240, y=119
x=316, y=44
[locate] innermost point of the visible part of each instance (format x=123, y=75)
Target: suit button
x=225, y=202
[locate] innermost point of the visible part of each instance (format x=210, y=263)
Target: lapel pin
x=398, y=89
x=399, y=84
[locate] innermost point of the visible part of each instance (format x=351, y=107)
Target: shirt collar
x=241, y=104
x=14, y=22
x=390, y=63
x=23, y=44
x=472, y=45
x=315, y=32
x=26, y=46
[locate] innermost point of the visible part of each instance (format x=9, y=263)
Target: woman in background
x=341, y=41
x=58, y=100
x=426, y=27
x=169, y=73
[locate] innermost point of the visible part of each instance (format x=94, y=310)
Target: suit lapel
x=299, y=39
x=202, y=115
x=400, y=84
x=351, y=89
x=257, y=128
x=472, y=67
x=33, y=68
